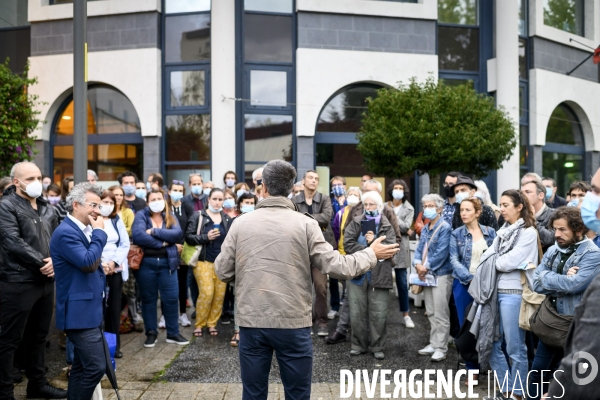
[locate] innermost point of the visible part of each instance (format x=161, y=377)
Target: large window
x=15, y=34
x=458, y=35
x=114, y=136
x=186, y=100
x=566, y=15
x=345, y=111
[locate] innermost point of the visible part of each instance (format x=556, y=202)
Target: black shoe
x=46, y=392
x=335, y=338
x=225, y=319
x=193, y=316
x=150, y=340
x=17, y=376
x=118, y=354
x=177, y=339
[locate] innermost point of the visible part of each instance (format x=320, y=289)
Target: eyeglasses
x=175, y=182
x=430, y=206
x=94, y=205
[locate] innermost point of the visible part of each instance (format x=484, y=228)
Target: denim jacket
x=568, y=289
x=438, y=255
x=461, y=247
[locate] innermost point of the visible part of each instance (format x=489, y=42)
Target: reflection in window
x=182, y=172
x=184, y=6
x=268, y=137
x=523, y=59
x=187, y=38
x=458, y=48
x=344, y=112
x=187, y=88
x=460, y=12
x=566, y=15
x=458, y=82
x=188, y=137
x=16, y=46
x=564, y=128
x=268, y=88
x=523, y=17
x=109, y=112
x=342, y=159
x=108, y=160
x=13, y=13
x=523, y=149
x=267, y=38
x=275, y=6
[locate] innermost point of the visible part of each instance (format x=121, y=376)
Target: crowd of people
x=172, y=240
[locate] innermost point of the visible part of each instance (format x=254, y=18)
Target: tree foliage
x=432, y=127
x=18, y=118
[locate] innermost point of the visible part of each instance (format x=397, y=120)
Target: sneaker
x=379, y=355
x=332, y=314
x=183, y=320
x=150, y=340
x=161, y=323
x=438, y=356
x=177, y=339
x=408, y=322
x=225, y=319
x=356, y=352
x=322, y=330
x=427, y=351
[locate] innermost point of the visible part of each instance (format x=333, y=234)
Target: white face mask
x=106, y=210
x=34, y=189
x=157, y=206
x=352, y=200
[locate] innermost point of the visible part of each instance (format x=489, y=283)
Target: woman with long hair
x=61, y=207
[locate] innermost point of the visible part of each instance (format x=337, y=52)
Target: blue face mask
x=215, y=210
x=461, y=196
x=176, y=196
x=197, y=190
x=128, y=190
x=140, y=193
x=548, y=193
x=338, y=191
x=398, y=194
x=241, y=192
x=229, y=203
x=207, y=191
x=149, y=186
x=573, y=203
x=589, y=207
x=430, y=213
x=373, y=213
x=247, y=209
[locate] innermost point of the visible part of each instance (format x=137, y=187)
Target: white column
x=222, y=84
x=507, y=79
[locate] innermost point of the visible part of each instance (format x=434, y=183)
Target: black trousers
x=112, y=315
x=25, y=315
x=182, y=274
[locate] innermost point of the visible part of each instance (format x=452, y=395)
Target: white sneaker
x=408, y=322
x=332, y=314
x=183, y=320
x=438, y=356
x=427, y=351
x=161, y=323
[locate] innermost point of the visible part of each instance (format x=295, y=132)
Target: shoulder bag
x=550, y=326
x=134, y=256
x=190, y=254
x=530, y=302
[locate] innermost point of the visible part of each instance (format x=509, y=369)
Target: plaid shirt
x=448, y=212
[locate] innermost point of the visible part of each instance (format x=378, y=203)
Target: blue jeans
x=462, y=300
x=153, y=276
x=509, y=306
x=402, y=286
x=546, y=359
x=89, y=362
x=293, y=349
x=70, y=352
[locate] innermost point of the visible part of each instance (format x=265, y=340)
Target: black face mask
x=258, y=182
x=449, y=192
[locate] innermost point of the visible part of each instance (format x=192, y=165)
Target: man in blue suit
x=76, y=250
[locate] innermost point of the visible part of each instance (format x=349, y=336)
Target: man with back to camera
x=553, y=200
x=272, y=273
x=26, y=280
x=76, y=249
x=127, y=180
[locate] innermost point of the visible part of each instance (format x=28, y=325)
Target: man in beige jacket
x=269, y=253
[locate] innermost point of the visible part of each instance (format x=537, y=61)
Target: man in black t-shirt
x=127, y=180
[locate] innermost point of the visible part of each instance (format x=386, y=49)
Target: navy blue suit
x=80, y=286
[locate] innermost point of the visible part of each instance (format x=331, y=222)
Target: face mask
x=247, y=209
x=128, y=190
x=398, y=194
x=352, y=200
x=548, y=193
x=34, y=189
x=157, y=206
x=589, y=206
x=140, y=193
x=461, y=196
x=573, y=203
x=338, y=191
x=45, y=186
x=479, y=195
x=373, y=213
x=106, y=210
x=449, y=192
x=229, y=203
x=197, y=190
x=258, y=182
x=53, y=200
x=290, y=196
x=215, y=210
x=241, y=192
x=176, y=196
x=207, y=191
x=230, y=182
x=430, y=213
x=148, y=186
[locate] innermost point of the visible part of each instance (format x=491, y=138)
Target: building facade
x=181, y=86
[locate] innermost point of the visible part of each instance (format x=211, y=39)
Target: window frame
x=186, y=109
x=249, y=67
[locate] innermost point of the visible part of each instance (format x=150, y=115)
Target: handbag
x=418, y=289
x=550, y=326
x=134, y=257
x=531, y=300
x=190, y=254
